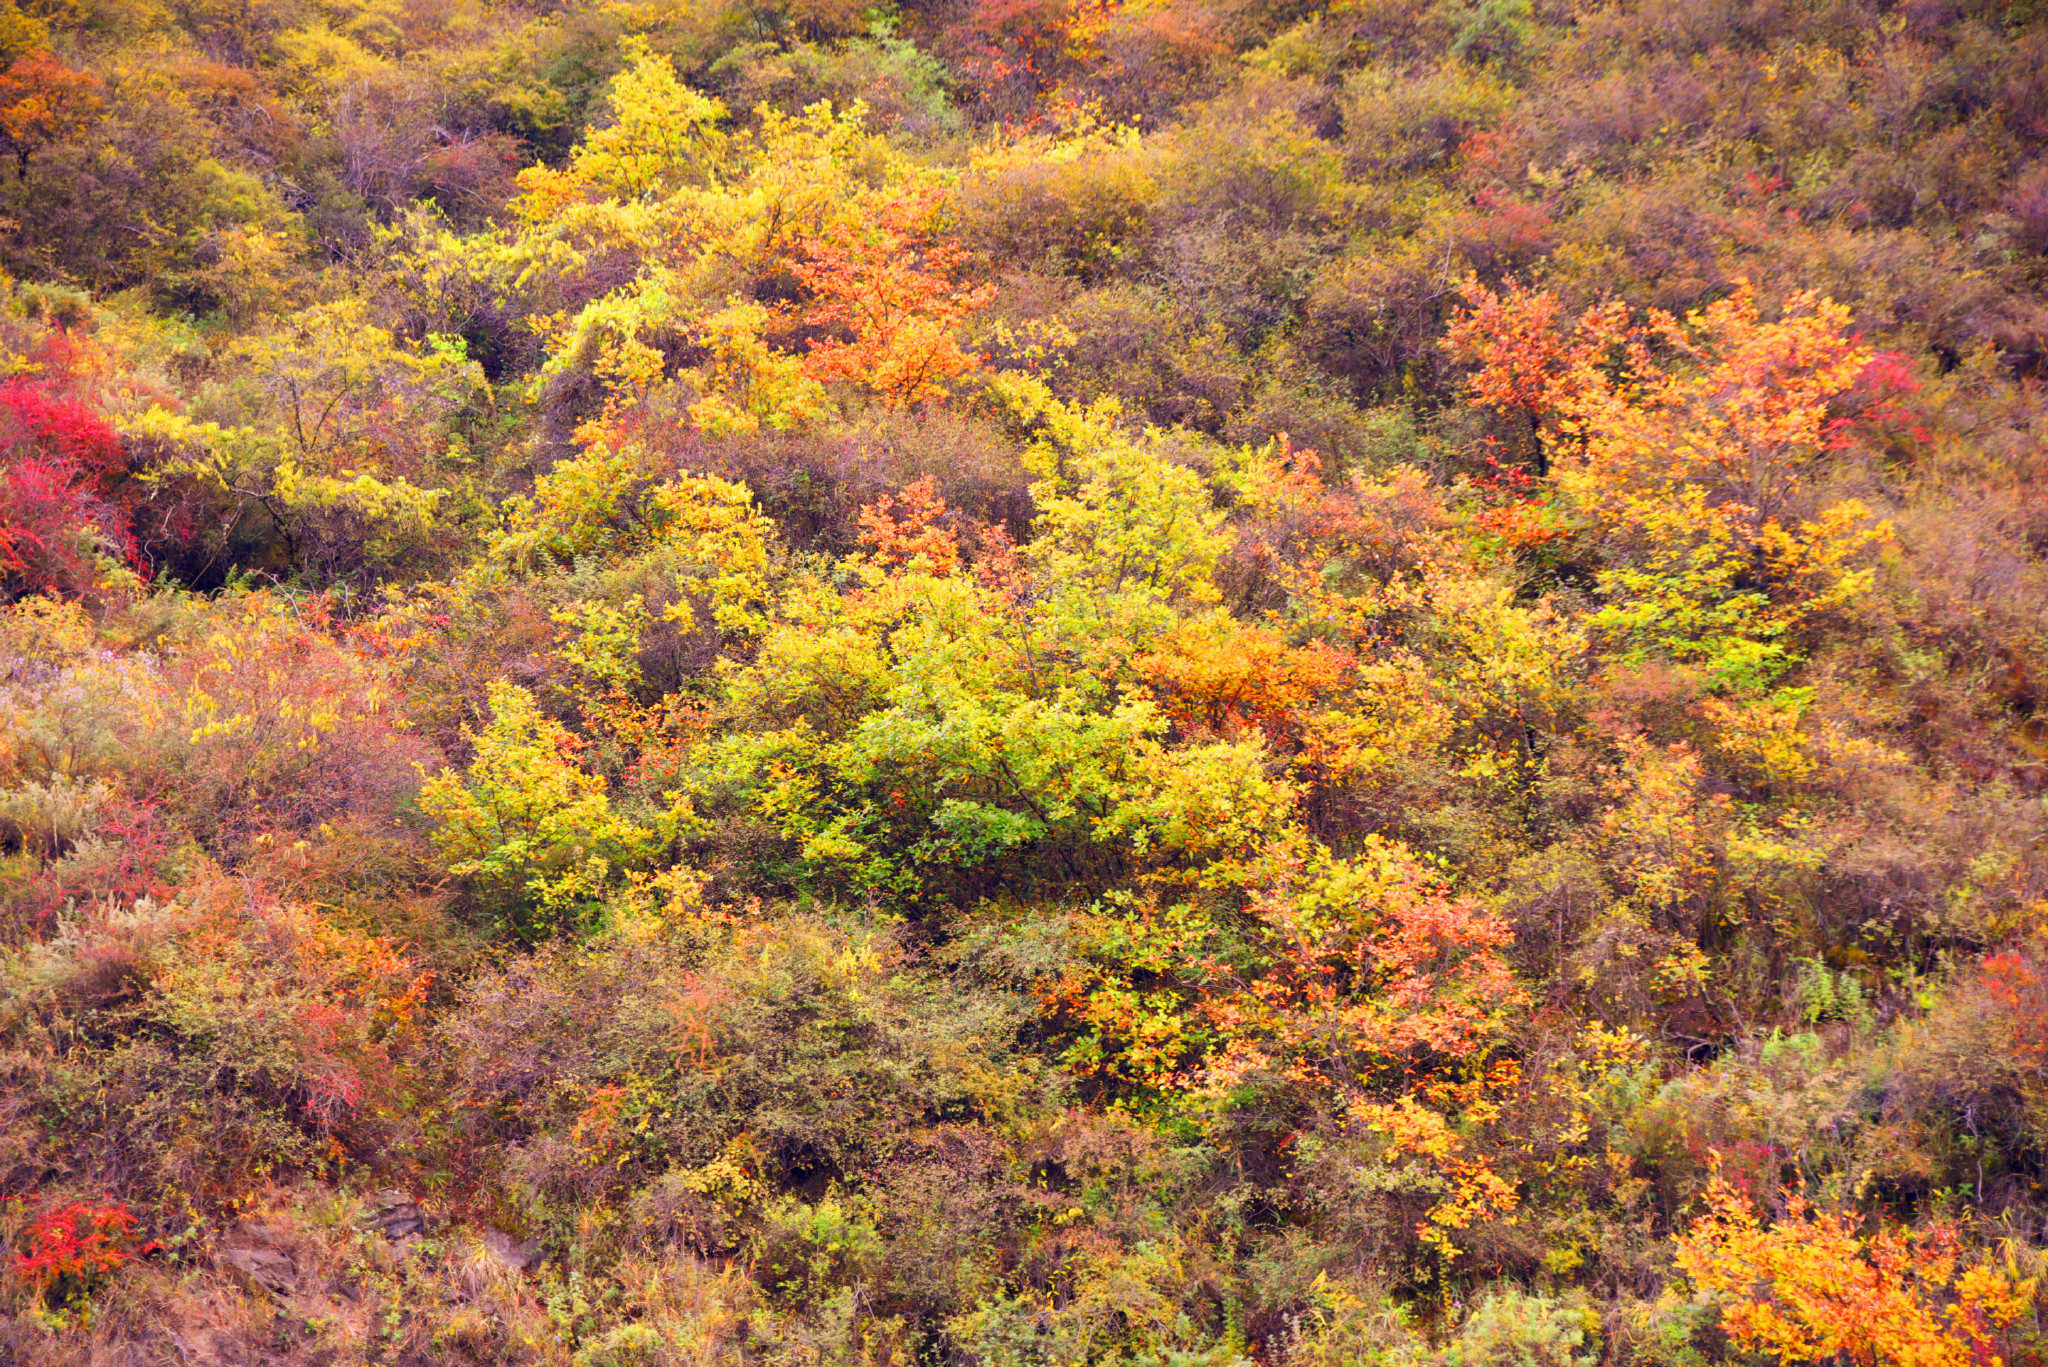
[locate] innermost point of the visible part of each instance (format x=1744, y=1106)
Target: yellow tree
x=534, y=833
x=766, y=264
x=1809, y=1288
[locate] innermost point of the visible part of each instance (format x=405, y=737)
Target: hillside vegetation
x=1023, y=683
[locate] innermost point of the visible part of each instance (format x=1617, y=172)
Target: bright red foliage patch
x=81, y=1240
x=61, y=494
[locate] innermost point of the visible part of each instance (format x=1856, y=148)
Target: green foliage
x=805, y=1251
x=1513, y=1329
x=536, y=835
x=1827, y=996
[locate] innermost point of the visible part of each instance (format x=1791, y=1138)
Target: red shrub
x=471, y=175
x=61, y=493
x=1012, y=52
x=2029, y=207
x=59, y=429
x=1882, y=404
x=1502, y=234
x=127, y=856
x=51, y=521
x=2018, y=986
x=77, y=1243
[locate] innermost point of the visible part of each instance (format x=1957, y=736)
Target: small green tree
x=535, y=835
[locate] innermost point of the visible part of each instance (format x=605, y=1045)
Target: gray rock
x=261, y=1269
x=395, y=1215
x=507, y=1252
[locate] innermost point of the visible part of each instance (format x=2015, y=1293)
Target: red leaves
x=60, y=468
x=1517, y=507
x=80, y=1241
x=1017, y=48
x=1725, y=405
x=332, y=1096
x=61, y=429
x=128, y=856
x=51, y=521
x=1503, y=233
x=2020, y=989
x=2010, y=977
x=1360, y=978
x=1881, y=402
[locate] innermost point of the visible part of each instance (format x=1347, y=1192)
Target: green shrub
x=1515, y=1329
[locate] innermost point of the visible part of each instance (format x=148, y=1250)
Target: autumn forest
x=1023, y=683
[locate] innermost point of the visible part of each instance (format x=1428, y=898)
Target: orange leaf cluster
x=885, y=291
x=41, y=100
x=915, y=540
x=1244, y=676
x=1723, y=398
x=1375, y=968
x=1809, y=1289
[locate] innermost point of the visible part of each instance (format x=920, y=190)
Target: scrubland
x=1181, y=683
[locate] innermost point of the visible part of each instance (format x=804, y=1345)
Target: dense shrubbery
x=1023, y=683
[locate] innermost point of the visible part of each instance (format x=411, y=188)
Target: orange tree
x=41, y=101
x=1688, y=455
x=1358, y=987
x=884, y=290
x=1809, y=1288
